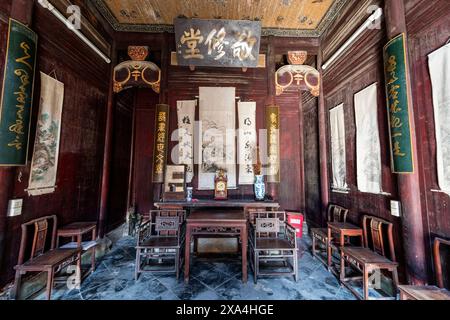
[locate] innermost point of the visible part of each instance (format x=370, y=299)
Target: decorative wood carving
x=302, y=77
x=137, y=72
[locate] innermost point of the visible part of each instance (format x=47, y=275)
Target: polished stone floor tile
x=211, y=279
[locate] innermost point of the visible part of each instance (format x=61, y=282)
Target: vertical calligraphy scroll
x=161, y=142
x=247, y=141
x=273, y=143
x=398, y=103
x=17, y=94
x=186, y=120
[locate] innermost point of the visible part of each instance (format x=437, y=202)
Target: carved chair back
x=40, y=237
x=376, y=233
x=337, y=213
x=437, y=259
x=269, y=224
x=162, y=223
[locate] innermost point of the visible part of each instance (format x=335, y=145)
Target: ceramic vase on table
x=259, y=188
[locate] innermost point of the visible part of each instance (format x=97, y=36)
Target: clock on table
x=221, y=186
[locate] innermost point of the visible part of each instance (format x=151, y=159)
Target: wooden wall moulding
x=137, y=72
x=302, y=77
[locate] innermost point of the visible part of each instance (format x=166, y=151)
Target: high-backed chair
x=43, y=257
x=372, y=258
x=319, y=236
x=161, y=237
x=272, y=239
x=429, y=292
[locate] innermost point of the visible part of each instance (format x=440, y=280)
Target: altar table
x=230, y=223
x=232, y=203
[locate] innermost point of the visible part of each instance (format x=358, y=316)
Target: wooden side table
x=76, y=231
x=343, y=229
x=223, y=223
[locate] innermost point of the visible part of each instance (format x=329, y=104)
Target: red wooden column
x=107, y=150
x=409, y=184
x=323, y=149
x=21, y=10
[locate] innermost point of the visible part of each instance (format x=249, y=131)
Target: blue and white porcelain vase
x=260, y=188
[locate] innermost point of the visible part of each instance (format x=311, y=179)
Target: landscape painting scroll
x=217, y=135
x=247, y=142
x=439, y=63
x=368, y=150
x=186, y=121
x=44, y=164
x=338, y=157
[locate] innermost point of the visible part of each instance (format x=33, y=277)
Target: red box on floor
x=295, y=219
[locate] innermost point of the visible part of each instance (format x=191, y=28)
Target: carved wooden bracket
x=137, y=72
x=302, y=77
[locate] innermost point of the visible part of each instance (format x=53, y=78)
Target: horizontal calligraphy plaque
x=218, y=43
x=17, y=94
x=398, y=103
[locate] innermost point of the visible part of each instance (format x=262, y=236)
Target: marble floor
x=210, y=280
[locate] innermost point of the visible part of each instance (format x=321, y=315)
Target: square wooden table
x=76, y=231
x=206, y=222
x=343, y=229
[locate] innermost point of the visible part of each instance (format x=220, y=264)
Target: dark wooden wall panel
x=311, y=158
x=121, y=157
x=145, y=103
x=86, y=79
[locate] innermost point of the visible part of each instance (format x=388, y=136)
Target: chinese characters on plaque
x=17, y=94
x=220, y=43
x=398, y=105
x=161, y=142
x=273, y=143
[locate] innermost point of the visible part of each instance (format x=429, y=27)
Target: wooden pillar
x=21, y=10
x=107, y=150
x=323, y=148
x=409, y=184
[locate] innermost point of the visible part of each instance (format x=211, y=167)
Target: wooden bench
x=429, y=292
x=41, y=259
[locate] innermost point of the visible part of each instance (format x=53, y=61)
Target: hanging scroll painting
x=186, y=120
x=44, y=164
x=338, y=157
x=161, y=142
x=17, y=94
x=217, y=136
x=247, y=142
x=439, y=64
x=368, y=154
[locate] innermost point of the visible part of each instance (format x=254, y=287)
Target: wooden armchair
x=320, y=235
x=429, y=292
x=160, y=238
x=371, y=259
x=272, y=239
x=41, y=259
